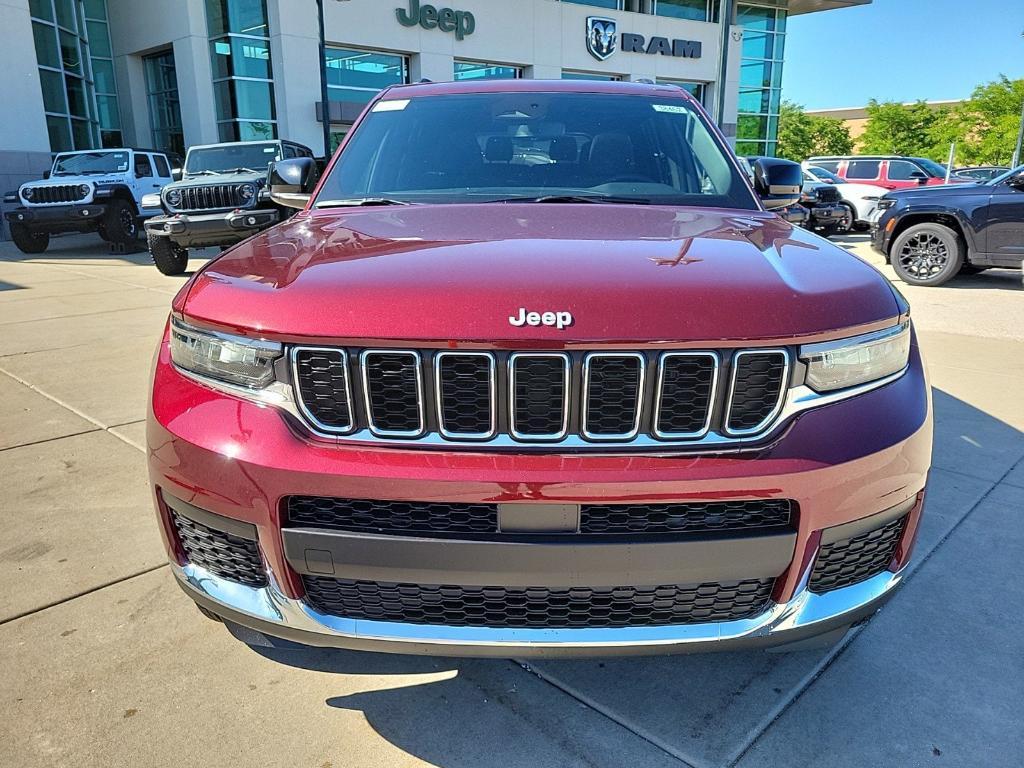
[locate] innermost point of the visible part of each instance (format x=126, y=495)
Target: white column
x=295, y=53
x=23, y=127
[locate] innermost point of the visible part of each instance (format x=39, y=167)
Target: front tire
x=119, y=223
x=169, y=258
x=28, y=241
x=927, y=254
x=849, y=220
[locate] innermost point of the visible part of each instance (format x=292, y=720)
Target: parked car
x=819, y=208
x=888, y=171
x=932, y=234
x=606, y=404
x=858, y=199
x=980, y=172
x=97, y=191
x=220, y=200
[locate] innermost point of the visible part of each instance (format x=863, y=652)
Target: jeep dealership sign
x=462, y=23
x=603, y=38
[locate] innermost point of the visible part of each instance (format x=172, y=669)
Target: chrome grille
x=210, y=197
x=55, y=194
x=513, y=399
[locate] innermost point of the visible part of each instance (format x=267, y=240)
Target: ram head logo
x=601, y=37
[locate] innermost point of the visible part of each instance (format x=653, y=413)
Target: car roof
x=112, y=149
x=525, y=85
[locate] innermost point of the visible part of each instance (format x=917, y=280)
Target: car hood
x=459, y=272
x=220, y=178
x=941, y=190
x=856, y=189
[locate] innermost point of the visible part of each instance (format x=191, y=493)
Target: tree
x=802, y=135
x=901, y=129
x=985, y=125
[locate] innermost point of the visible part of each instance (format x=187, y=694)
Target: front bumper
x=58, y=218
x=200, y=231
x=238, y=460
x=827, y=214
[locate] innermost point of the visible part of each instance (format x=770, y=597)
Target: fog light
x=85, y=211
x=251, y=221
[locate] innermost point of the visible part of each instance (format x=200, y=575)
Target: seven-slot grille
x=538, y=397
x=56, y=193
x=210, y=197
x=473, y=606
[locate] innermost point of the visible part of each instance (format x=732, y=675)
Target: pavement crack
x=83, y=593
x=686, y=760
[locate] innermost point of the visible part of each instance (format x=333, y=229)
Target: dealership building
x=81, y=74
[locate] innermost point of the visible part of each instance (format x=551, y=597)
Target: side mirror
x=1017, y=180
x=919, y=176
x=176, y=174
x=46, y=174
x=777, y=182
x=292, y=181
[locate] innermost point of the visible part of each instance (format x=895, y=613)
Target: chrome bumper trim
x=271, y=612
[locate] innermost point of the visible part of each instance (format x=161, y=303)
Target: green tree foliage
x=984, y=126
x=802, y=135
x=901, y=129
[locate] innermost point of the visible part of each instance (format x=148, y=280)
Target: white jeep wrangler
x=97, y=190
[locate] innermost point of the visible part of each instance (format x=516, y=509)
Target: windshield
x=86, y=163
x=490, y=147
x=822, y=175
x=232, y=157
x=935, y=169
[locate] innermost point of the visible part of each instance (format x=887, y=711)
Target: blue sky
x=901, y=50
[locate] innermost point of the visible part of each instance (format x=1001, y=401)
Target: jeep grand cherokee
x=535, y=371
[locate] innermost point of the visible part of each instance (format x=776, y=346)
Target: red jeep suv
x=535, y=371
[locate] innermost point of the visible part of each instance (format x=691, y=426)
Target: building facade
x=82, y=74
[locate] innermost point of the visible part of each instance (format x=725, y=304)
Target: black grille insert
x=465, y=385
x=540, y=386
x=687, y=388
x=394, y=392
x=211, y=197
x=470, y=606
x=325, y=387
x=421, y=518
x=850, y=561
x=758, y=383
x=391, y=517
x=692, y=517
x=613, y=385
x=57, y=193
x=222, y=554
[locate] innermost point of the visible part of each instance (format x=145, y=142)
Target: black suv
x=931, y=234
x=221, y=200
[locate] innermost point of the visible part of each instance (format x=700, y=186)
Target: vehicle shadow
x=65, y=249
x=477, y=713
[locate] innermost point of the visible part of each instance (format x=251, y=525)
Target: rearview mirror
x=777, y=182
x=292, y=181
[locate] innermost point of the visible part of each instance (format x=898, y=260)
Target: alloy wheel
x=924, y=255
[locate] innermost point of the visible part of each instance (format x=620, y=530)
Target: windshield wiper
x=357, y=202
x=203, y=173
x=573, y=199
x=240, y=170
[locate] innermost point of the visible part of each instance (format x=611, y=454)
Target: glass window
x=760, y=74
x=862, y=169
x=901, y=170
x=60, y=133
x=755, y=17
x=614, y=4
x=246, y=17
x=242, y=130
x=694, y=89
x=358, y=76
x=95, y=9
x=240, y=57
x=163, y=170
x=696, y=10
x=41, y=9
x=829, y=165
x=103, y=76
x=143, y=168
x=46, y=45
x=99, y=38
x=931, y=167
x=656, y=150
x=70, y=53
x=106, y=112
x=220, y=159
x=65, y=13
x=77, y=100
x=164, y=107
x=758, y=45
x=53, y=91
x=244, y=100
x=566, y=75
x=478, y=70
x=82, y=134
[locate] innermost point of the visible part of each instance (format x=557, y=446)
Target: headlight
x=884, y=203
x=173, y=197
x=247, y=191
x=233, y=359
x=28, y=193
x=83, y=189
x=846, y=363
x=152, y=200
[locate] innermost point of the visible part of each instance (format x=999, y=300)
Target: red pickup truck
x=537, y=371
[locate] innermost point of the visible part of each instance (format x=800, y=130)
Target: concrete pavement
x=104, y=662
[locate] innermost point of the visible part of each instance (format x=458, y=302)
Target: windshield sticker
x=270, y=150
x=670, y=108
x=391, y=105
x=122, y=167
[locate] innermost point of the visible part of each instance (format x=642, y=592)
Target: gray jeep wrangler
x=221, y=200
